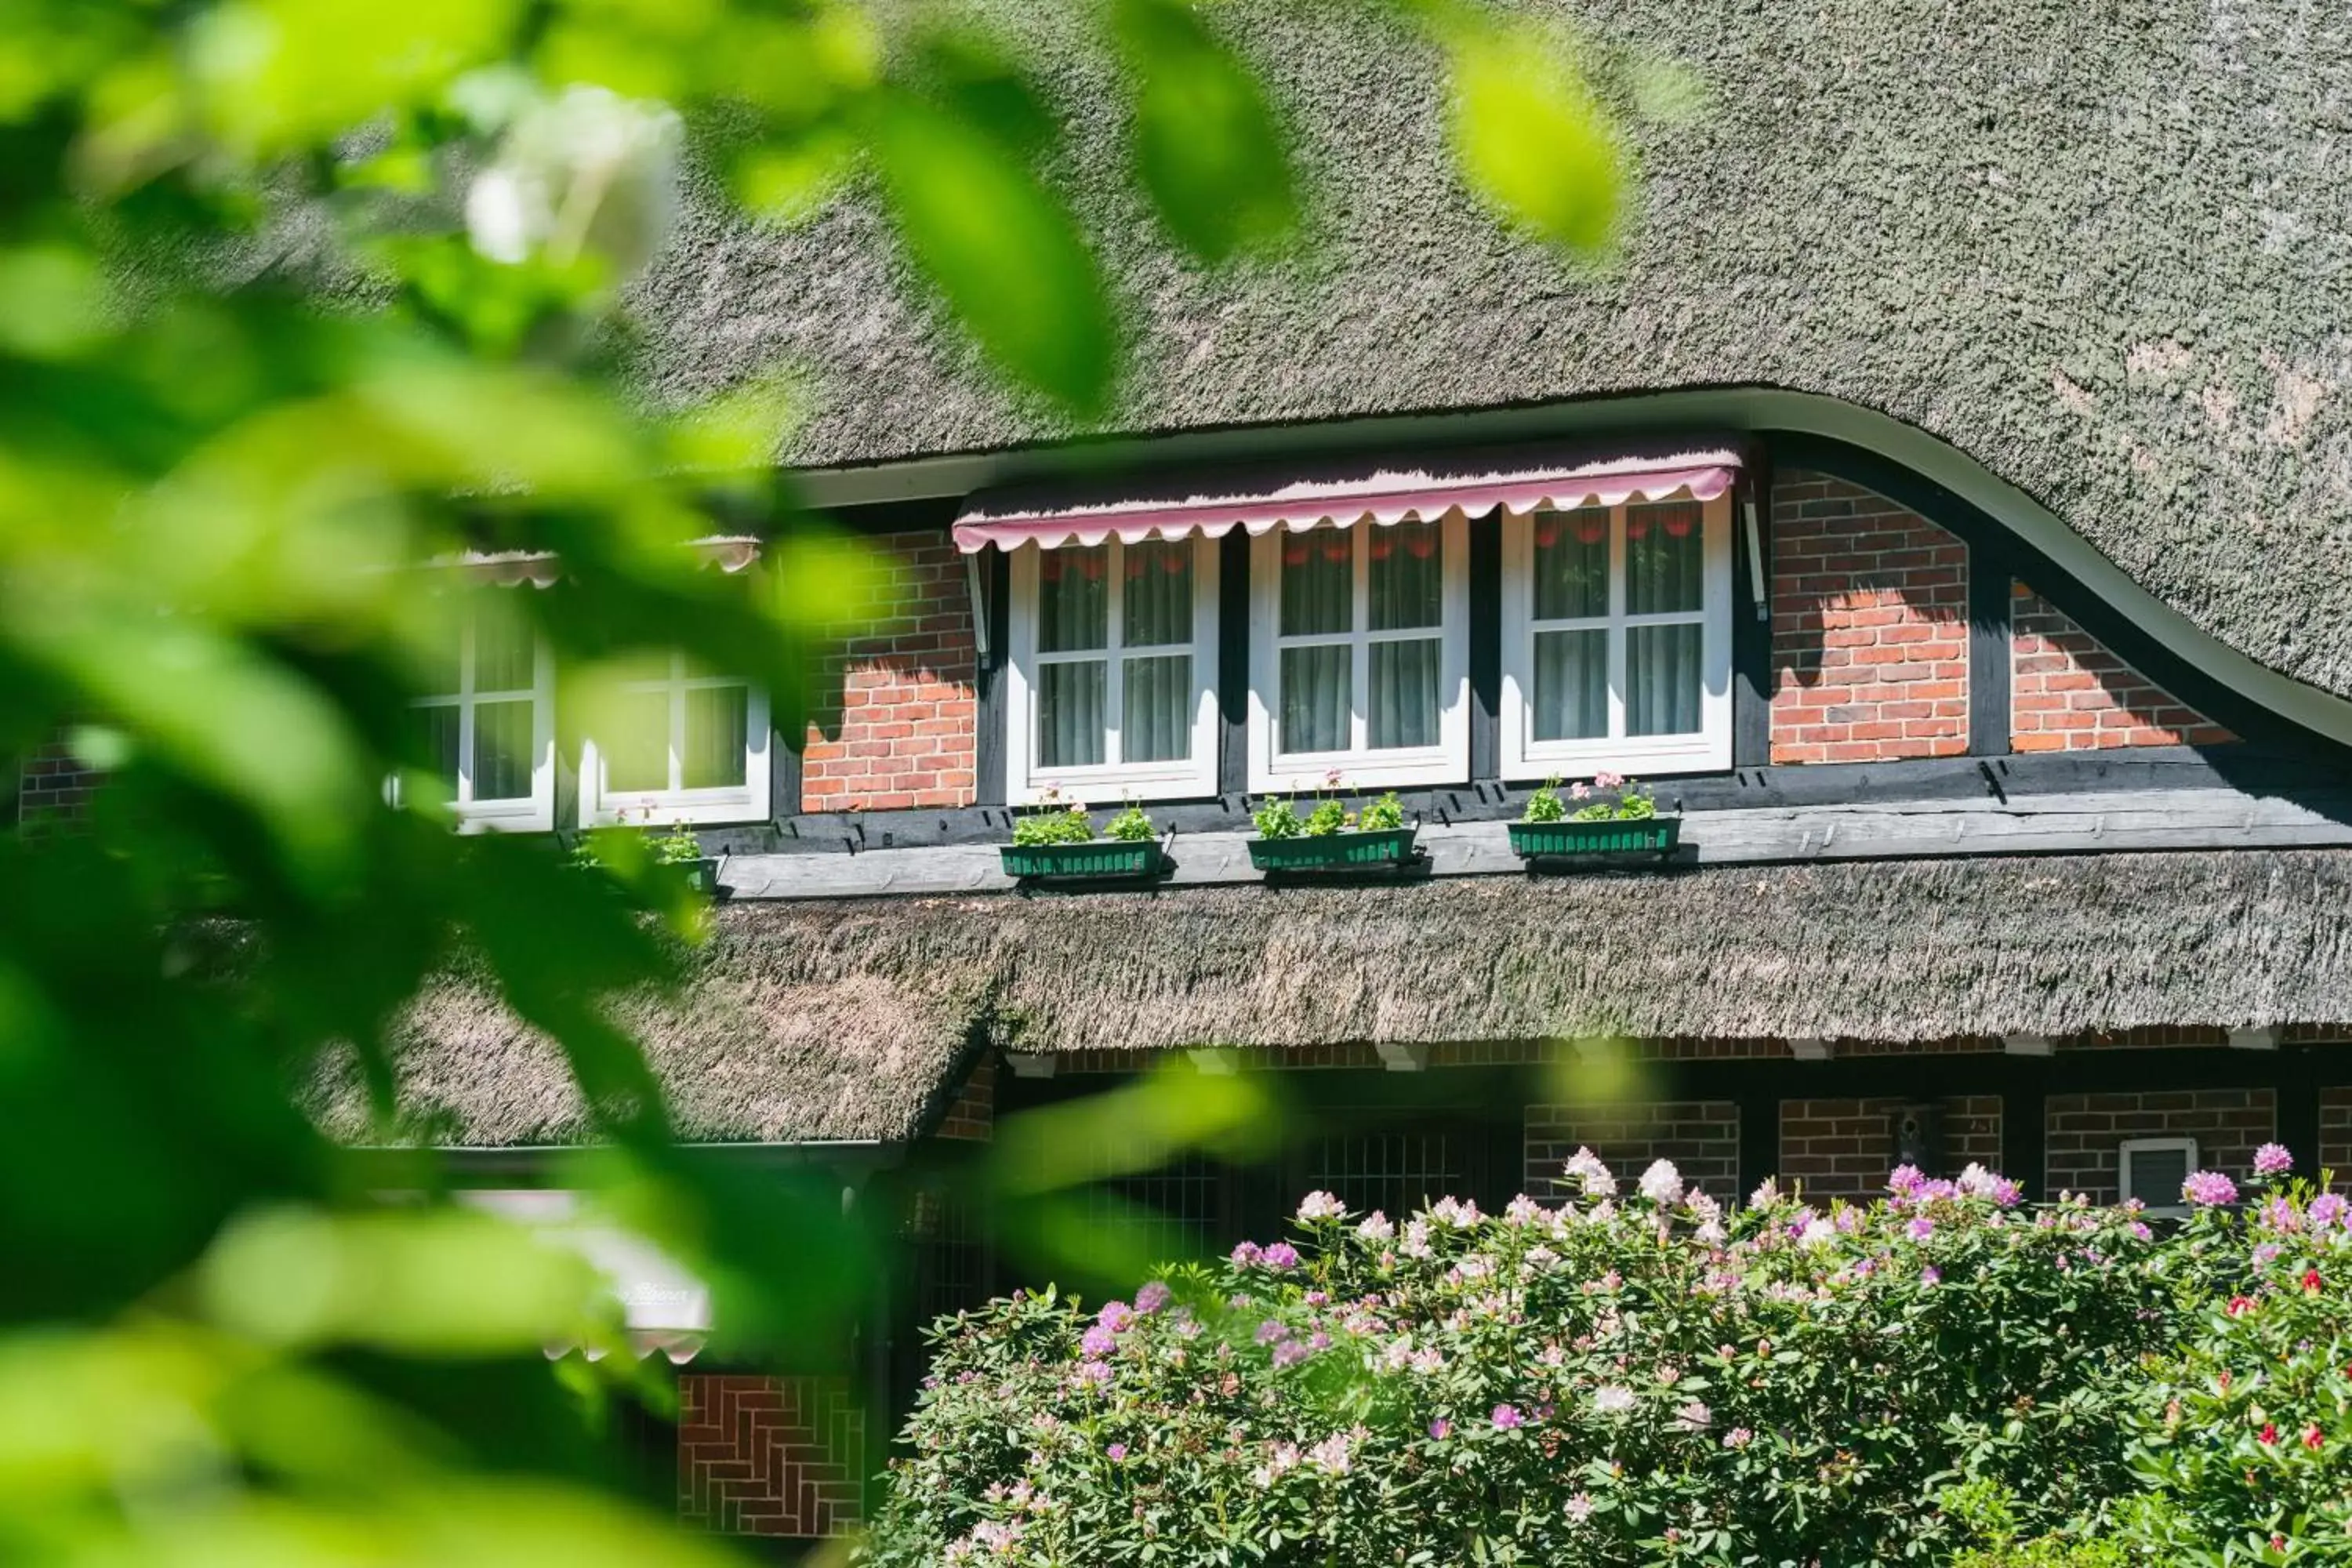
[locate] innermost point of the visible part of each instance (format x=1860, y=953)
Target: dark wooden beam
x=2025, y=1121
x=1751, y=616
x=987, y=759
x=784, y=772
x=1485, y=647
x=2299, y=1075
x=1232, y=674
x=1989, y=651
x=1760, y=1136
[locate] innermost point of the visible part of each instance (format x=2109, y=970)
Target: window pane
x=718, y=724
x=1661, y=680
x=2156, y=1175
x=635, y=742
x=1572, y=694
x=1407, y=573
x=502, y=751
x=1070, y=717
x=1318, y=582
x=1073, y=600
x=1156, y=722
x=1159, y=607
x=502, y=652
x=1572, y=551
x=1404, y=694
x=1317, y=696
x=437, y=729
x=1663, y=548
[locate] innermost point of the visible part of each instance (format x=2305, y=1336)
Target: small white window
x=2152, y=1170
x=676, y=744
x=1359, y=656
x=489, y=730
x=1617, y=640
x=1112, y=688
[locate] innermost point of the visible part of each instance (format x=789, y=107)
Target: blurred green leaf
x=1532, y=138
x=1206, y=146
x=1004, y=252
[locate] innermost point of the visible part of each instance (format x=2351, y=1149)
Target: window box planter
x=1103, y=860
x=1334, y=851
x=700, y=876
x=1613, y=835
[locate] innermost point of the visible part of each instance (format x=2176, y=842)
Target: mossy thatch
x=848, y=1019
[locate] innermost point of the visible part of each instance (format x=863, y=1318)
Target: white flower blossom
x=1585, y=1167
x=1320, y=1206
x=1611, y=1399
x=1376, y=1226
x=1661, y=1184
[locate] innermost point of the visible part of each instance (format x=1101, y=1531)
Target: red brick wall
x=1845, y=1148
x=1701, y=1137
x=895, y=713
x=2084, y=1130
x=2068, y=693
x=769, y=1455
x=1869, y=628
x=973, y=1114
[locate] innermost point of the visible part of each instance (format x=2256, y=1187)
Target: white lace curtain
x=1153, y=584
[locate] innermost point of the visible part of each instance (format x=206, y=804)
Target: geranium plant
x=1276, y=818
x=1612, y=797
x=1131, y=826
x=1057, y=820
x=1544, y=805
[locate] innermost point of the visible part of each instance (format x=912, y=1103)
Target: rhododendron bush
x=1631, y=1377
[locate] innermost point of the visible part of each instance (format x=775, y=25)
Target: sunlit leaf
x=1533, y=140
x=1206, y=146
x=1002, y=249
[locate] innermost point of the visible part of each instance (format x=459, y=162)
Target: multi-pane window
x=1357, y=657
x=676, y=743
x=1111, y=684
x=486, y=732
x=1398, y=1172
x=1617, y=648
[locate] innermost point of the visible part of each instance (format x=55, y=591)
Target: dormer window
x=676, y=743
x=488, y=729
x=1110, y=688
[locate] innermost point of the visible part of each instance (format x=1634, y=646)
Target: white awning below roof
x=664, y=1306
x=1383, y=495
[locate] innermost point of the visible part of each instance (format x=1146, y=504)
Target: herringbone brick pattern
x=769, y=1455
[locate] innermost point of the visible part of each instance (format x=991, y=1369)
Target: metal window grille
x=1174, y=1212
x=1396, y=1173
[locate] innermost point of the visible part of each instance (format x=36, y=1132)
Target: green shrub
x=1622, y=1380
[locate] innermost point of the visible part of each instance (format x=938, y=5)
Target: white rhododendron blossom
x=586, y=171
x=1585, y=1167
x=1663, y=1184
x=1320, y=1206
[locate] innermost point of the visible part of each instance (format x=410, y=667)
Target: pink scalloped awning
x=1385, y=496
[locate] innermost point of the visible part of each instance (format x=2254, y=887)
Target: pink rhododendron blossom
x=1738, y=1437
x=1281, y=1254
x=1330, y=1456
x=1508, y=1416
x=1441, y=1429
x=1931, y=1275
x=2209, y=1189
x=1246, y=1252
x=1151, y=1296
x=1693, y=1417
x=1116, y=1452
x=2326, y=1209
x=1115, y=1315
x=1097, y=1342
x=2273, y=1159
x=1905, y=1181
x=1920, y=1228
x=1289, y=1352
x=1376, y=1226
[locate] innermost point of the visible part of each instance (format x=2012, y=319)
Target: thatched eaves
x=849, y=1019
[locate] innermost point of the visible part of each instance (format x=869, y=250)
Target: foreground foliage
x=1942, y=1375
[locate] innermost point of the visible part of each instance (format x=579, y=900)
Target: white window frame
x=2131, y=1146
x=1446, y=763
x=1707, y=751
x=600, y=806
x=536, y=811
x=1186, y=778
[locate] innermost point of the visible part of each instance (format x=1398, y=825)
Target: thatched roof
x=745, y=1056
x=2101, y=250
x=846, y=1019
